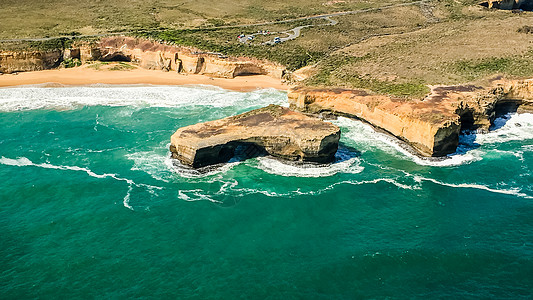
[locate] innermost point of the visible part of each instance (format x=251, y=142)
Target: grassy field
x=33, y=18
x=395, y=51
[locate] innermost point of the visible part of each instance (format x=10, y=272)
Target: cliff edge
x=431, y=125
x=274, y=130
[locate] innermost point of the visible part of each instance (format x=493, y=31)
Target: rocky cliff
x=11, y=62
x=274, y=130
x=158, y=56
x=431, y=125
x=144, y=53
x=511, y=4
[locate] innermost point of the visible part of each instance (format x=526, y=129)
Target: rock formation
x=431, y=125
x=275, y=130
x=153, y=55
x=144, y=53
x=511, y=4
x=11, y=62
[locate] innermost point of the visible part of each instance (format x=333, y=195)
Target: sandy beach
x=83, y=76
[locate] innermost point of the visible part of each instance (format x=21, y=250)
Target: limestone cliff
x=11, y=62
x=144, y=53
x=511, y=4
x=275, y=130
x=158, y=56
x=431, y=133
x=431, y=125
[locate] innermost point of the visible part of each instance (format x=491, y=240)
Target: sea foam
x=66, y=98
x=512, y=127
x=345, y=162
x=24, y=162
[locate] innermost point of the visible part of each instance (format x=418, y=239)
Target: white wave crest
x=511, y=127
x=514, y=191
x=65, y=98
x=365, y=137
x=24, y=162
x=345, y=163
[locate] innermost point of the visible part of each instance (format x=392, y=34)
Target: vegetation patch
x=338, y=71
x=477, y=69
x=122, y=66
x=525, y=29
x=225, y=41
x=70, y=63
x=49, y=45
x=97, y=65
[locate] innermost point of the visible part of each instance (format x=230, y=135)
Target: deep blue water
x=91, y=206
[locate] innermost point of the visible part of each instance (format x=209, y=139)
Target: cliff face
x=146, y=54
x=431, y=134
x=157, y=56
x=11, y=62
x=275, y=130
x=431, y=125
x=511, y=4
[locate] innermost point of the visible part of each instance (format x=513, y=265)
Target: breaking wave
x=512, y=127
x=25, y=162
x=68, y=98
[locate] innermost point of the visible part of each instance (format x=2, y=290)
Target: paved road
x=295, y=32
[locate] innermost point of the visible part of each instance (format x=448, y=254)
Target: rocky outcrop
x=431, y=133
x=274, y=130
x=11, y=62
x=511, y=4
x=144, y=53
x=153, y=55
x=431, y=125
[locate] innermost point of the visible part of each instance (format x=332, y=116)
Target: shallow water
x=92, y=206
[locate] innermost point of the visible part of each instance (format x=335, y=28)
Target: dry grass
x=395, y=50
x=32, y=18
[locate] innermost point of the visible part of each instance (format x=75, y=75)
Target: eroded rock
x=11, y=62
x=431, y=125
x=274, y=130
x=157, y=56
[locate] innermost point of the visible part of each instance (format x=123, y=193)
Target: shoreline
x=86, y=76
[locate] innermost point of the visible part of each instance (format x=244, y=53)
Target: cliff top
x=396, y=48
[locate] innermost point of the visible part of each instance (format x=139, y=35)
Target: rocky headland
x=273, y=130
x=431, y=125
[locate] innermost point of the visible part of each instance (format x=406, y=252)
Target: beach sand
x=84, y=75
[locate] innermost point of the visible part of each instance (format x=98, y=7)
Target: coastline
x=84, y=76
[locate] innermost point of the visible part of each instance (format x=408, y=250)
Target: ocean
x=92, y=206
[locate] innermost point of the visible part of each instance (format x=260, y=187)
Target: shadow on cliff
x=503, y=112
x=469, y=133
x=245, y=151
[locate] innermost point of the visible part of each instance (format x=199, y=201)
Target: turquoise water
x=92, y=207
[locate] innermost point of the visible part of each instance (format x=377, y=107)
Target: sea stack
x=273, y=130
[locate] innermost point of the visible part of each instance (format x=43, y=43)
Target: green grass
x=521, y=65
x=97, y=65
x=70, y=63
x=224, y=41
x=122, y=66
x=334, y=72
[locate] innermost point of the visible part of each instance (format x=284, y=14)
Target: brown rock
x=275, y=130
x=510, y=4
x=431, y=125
x=11, y=62
x=158, y=56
